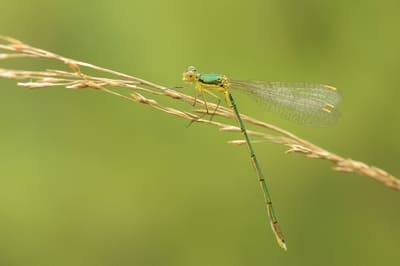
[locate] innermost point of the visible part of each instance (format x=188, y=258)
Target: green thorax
x=210, y=78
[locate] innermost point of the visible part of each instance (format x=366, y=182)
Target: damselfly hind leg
x=217, y=105
x=206, y=106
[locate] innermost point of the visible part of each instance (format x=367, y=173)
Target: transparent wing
x=304, y=103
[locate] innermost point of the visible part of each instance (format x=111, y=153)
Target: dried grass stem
x=75, y=78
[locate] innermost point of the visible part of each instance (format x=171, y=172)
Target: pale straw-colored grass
x=139, y=90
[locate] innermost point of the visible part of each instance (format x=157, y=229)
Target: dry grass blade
x=75, y=78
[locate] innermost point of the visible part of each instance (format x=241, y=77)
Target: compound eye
x=192, y=69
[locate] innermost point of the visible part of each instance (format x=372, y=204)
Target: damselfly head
x=190, y=74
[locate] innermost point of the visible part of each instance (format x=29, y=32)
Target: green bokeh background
x=90, y=179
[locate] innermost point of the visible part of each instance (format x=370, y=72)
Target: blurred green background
x=90, y=179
